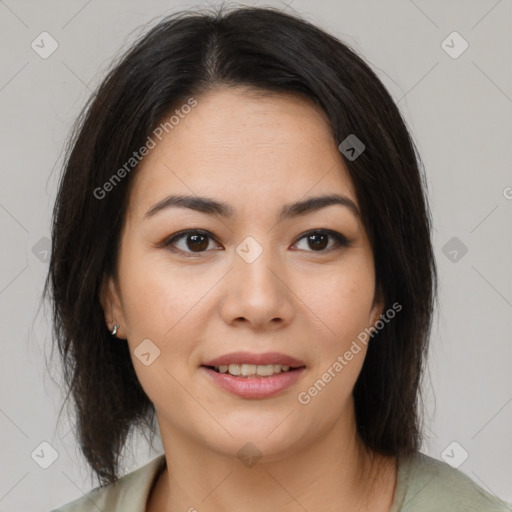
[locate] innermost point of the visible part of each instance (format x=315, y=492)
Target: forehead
x=239, y=144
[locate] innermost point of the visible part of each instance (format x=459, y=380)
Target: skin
x=256, y=154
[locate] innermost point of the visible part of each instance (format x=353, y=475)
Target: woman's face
x=251, y=281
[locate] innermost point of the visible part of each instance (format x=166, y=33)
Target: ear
x=377, y=306
x=111, y=303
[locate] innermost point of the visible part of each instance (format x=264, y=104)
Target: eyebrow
x=213, y=207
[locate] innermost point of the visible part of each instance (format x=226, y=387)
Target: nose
x=257, y=293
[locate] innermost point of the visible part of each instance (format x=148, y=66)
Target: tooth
x=267, y=369
x=248, y=369
x=234, y=369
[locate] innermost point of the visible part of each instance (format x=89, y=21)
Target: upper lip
x=258, y=359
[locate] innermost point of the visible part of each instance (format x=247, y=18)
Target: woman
x=241, y=248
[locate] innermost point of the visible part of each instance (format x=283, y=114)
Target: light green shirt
x=424, y=484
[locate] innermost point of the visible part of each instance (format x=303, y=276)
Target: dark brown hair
x=267, y=50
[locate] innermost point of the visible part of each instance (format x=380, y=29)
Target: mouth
x=251, y=363
x=254, y=375
x=249, y=381
x=246, y=370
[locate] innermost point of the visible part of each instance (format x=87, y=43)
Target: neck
x=333, y=473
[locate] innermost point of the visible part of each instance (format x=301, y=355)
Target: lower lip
x=255, y=386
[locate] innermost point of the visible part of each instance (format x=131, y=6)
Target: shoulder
x=427, y=484
x=128, y=494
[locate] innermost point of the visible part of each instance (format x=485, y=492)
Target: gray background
x=460, y=113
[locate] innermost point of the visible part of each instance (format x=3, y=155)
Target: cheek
x=163, y=305
x=158, y=299
x=341, y=301
x=342, y=304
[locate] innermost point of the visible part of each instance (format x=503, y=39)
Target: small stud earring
x=114, y=330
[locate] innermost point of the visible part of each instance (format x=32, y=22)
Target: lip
x=254, y=386
x=258, y=359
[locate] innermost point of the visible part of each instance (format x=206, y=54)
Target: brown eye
x=192, y=241
x=196, y=242
x=317, y=241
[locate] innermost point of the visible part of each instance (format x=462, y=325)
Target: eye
x=197, y=241
x=318, y=240
x=194, y=241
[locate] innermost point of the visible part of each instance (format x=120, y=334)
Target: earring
x=114, y=330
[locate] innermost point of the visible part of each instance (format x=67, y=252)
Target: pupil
x=316, y=244
x=197, y=242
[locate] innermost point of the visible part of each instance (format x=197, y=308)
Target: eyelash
x=340, y=240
